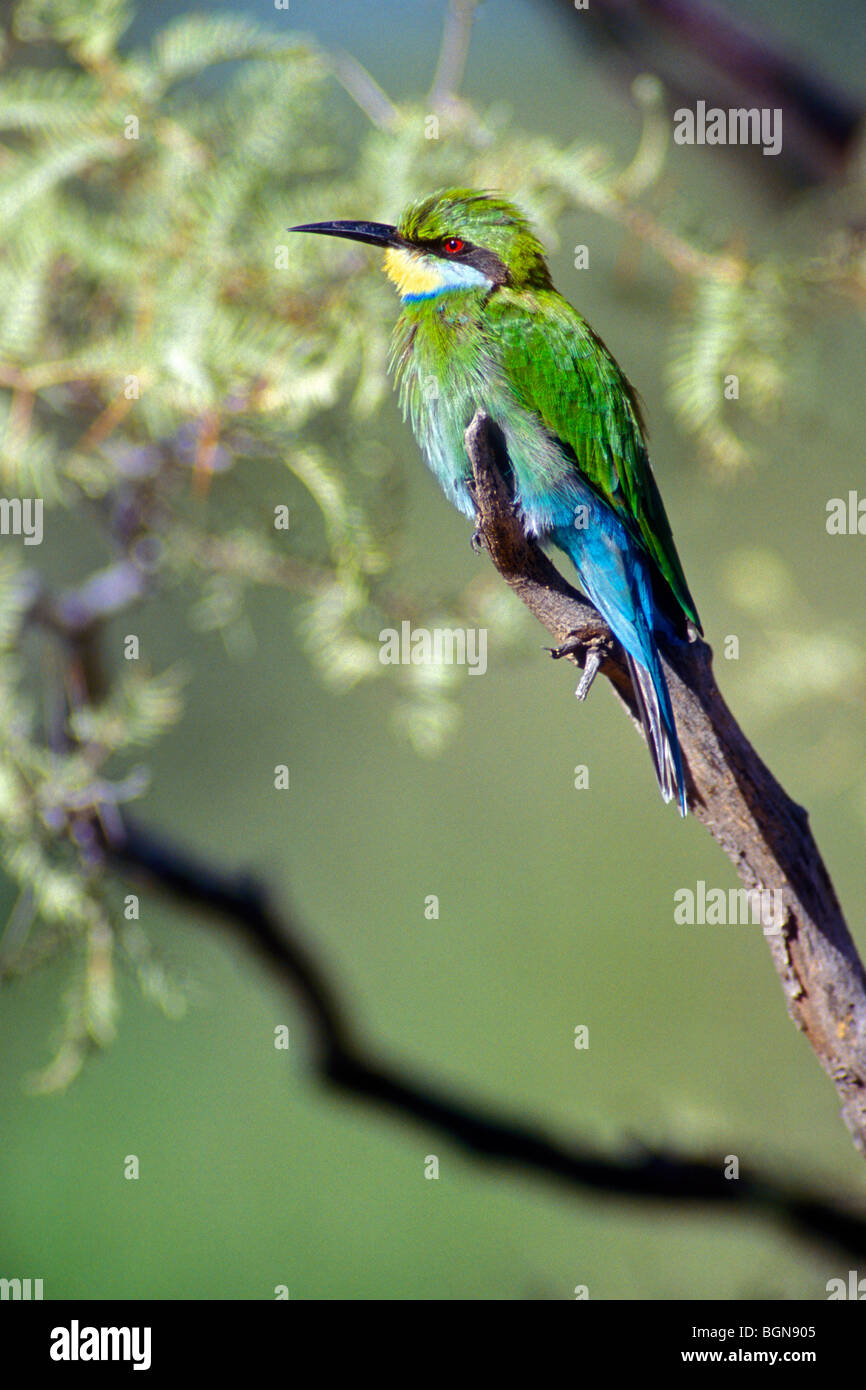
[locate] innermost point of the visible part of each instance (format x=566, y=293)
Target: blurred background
x=171, y=371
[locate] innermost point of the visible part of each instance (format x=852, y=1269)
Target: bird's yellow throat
x=413, y=274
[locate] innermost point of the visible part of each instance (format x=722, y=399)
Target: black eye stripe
x=486, y=261
x=437, y=246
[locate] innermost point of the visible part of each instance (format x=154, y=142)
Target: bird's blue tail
x=654, y=706
x=614, y=575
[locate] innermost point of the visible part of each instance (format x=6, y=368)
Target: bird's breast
x=448, y=368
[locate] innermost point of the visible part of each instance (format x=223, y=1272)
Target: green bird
x=482, y=328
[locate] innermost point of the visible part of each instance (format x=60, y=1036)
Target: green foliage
x=89, y=29
x=738, y=331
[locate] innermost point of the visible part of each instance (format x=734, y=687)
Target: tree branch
x=700, y=50
x=730, y=790
x=341, y=1061
x=453, y=54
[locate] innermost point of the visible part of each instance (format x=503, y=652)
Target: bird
x=482, y=328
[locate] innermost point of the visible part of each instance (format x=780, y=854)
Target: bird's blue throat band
x=431, y=294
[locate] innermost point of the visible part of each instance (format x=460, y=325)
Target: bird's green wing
x=562, y=371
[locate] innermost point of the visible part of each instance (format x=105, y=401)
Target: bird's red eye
x=453, y=245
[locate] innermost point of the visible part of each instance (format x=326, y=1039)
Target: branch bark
x=730, y=790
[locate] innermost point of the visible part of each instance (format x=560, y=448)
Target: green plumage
x=482, y=329
x=525, y=346
x=560, y=369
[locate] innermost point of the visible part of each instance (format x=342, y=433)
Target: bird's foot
x=592, y=666
x=477, y=540
x=594, y=650
x=572, y=647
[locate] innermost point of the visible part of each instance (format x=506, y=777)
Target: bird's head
x=457, y=239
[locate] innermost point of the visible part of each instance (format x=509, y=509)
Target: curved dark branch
x=702, y=51
x=341, y=1061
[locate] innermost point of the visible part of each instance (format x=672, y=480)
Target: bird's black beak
x=376, y=233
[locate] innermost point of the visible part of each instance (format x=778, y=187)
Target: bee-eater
x=482, y=328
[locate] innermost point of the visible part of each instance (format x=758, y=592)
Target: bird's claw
x=592, y=666
x=570, y=648
x=593, y=649
x=477, y=540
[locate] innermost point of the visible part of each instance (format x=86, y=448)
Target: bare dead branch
x=730, y=790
